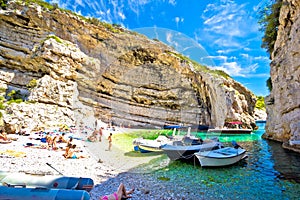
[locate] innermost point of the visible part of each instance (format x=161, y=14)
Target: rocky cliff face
x=85, y=73
x=283, y=104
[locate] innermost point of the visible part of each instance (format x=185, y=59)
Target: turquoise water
x=269, y=172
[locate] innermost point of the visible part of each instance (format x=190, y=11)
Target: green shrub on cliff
x=32, y=84
x=15, y=97
x=57, y=39
x=3, y=4
x=260, y=103
x=269, y=84
x=269, y=22
x=2, y=106
x=200, y=67
x=42, y=3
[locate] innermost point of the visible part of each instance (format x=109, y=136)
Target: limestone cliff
x=283, y=104
x=85, y=72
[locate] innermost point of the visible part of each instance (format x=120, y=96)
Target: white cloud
x=172, y=2
x=227, y=43
x=231, y=68
x=122, y=16
x=262, y=58
x=227, y=22
x=245, y=55
x=169, y=39
x=247, y=49
x=177, y=20
x=79, y=2
x=260, y=5
x=226, y=19
x=223, y=58
x=236, y=70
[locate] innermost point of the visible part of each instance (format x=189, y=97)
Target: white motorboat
x=147, y=145
x=235, y=127
x=179, y=150
x=220, y=157
x=230, y=130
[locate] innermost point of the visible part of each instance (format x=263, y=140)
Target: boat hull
x=230, y=131
x=146, y=145
x=47, y=181
x=187, y=152
x=11, y=193
x=146, y=148
x=215, y=159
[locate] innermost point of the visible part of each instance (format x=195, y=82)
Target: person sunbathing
x=49, y=140
x=62, y=139
x=72, y=153
x=119, y=194
x=67, y=150
x=3, y=135
x=54, y=143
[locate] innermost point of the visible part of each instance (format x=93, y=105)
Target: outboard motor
x=235, y=144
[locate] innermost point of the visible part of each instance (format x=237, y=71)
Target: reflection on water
x=286, y=162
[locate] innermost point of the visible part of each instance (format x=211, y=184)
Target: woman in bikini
x=119, y=194
x=73, y=153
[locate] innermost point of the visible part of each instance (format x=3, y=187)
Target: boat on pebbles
x=16, y=186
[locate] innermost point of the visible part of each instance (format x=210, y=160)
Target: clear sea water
x=269, y=172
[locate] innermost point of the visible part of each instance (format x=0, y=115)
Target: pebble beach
x=154, y=177
x=107, y=168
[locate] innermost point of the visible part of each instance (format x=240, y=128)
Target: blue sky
x=222, y=34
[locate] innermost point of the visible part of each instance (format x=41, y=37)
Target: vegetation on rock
x=3, y=4
x=269, y=22
x=2, y=106
x=32, y=84
x=57, y=39
x=15, y=96
x=269, y=84
x=200, y=67
x=260, y=103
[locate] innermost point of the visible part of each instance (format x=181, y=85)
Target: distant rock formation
x=86, y=73
x=283, y=104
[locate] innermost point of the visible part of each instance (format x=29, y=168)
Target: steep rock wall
x=89, y=72
x=283, y=104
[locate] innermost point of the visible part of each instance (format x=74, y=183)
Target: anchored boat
x=221, y=157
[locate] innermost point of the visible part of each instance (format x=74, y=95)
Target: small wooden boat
x=147, y=145
x=17, y=193
x=46, y=181
x=220, y=157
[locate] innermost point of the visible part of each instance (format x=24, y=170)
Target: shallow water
x=269, y=172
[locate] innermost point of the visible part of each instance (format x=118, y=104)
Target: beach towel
x=12, y=153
